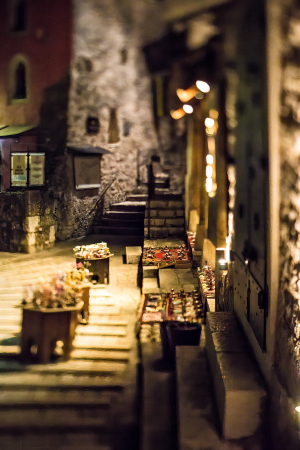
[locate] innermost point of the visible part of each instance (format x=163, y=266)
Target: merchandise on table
x=166, y=255
x=207, y=281
x=182, y=307
x=99, y=250
x=191, y=237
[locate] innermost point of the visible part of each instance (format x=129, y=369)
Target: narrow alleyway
x=90, y=401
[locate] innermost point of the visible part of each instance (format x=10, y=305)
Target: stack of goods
x=207, y=282
x=92, y=251
x=182, y=306
x=191, y=238
x=166, y=256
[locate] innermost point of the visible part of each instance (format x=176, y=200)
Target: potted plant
x=50, y=314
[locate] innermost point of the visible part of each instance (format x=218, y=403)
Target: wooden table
x=99, y=267
x=44, y=327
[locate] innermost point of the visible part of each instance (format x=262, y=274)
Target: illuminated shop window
x=19, y=15
x=27, y=169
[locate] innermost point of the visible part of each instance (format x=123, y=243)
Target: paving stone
x=133, y=255
x=150, y=271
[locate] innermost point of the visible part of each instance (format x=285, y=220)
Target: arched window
x=18, y=80
x=20, y=90
x=19, y=15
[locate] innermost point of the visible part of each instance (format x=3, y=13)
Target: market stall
x=97, y=256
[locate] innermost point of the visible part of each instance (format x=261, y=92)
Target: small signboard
x=37, y=169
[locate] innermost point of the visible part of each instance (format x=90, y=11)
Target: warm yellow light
x=178, y=113
x=209, y=159
x=185, y=96
x=203, y=86
x=297, y=409
x=209, y=122
x=211, y=145
x=210, y=131
x=213, y=113
x=188, y=109
x=208, y=184
x=209, y=171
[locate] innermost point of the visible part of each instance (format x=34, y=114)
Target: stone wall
x=108, y=74
x=287, y=346
x=109, y=80
x=27, y=222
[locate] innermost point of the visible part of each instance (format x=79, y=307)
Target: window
x=19, y=15
x=18, y=79
x=113, y=127
x=27, y=169
x=20, y=82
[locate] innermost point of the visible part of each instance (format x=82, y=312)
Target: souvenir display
x=191, y=237
x=207, y=281
x=165, y=256
x=181, y=306
x=92, y=251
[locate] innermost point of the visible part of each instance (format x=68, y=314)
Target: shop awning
x=89, y=150
x=7, y=130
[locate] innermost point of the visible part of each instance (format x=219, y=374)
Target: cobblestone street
x=90, y=401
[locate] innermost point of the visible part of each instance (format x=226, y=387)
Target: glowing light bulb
x=213, y=113
x=209, y=159
x=203, y=86
x=187, y=95
x=188, y=109
x=209, y=122
x=209, y=171
x=177, y=114
x=208, y=184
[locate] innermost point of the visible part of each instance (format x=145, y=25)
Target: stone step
x=107, y=321
x=100, y=355
x=150, y=286
x=102, y=310
x=125, y=215
x=69, y=367
x=122, y=231
x=100, y=330
x=102, y=342
x=45, y=398
x=239, y=390
x=138, y=197
x=120, y=223
x=128, y=206
x=54, y=419
x=49, y=440
x=30, y=380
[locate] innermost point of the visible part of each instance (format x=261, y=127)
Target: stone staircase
x=124, y=219
x=67, y=405
x=130, y=218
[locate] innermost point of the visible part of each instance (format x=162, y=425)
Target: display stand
x=98, y=266
x=44, y=327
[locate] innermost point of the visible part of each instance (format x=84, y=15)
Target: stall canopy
x=6, y=131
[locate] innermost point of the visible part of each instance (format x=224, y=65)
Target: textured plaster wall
x=287, y=349
x=102, y=79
